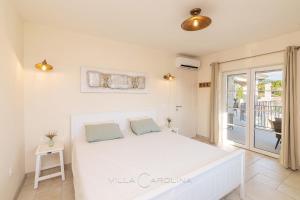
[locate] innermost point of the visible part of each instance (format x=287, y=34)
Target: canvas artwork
x=97, y=80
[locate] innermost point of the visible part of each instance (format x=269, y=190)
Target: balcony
x=267, y=127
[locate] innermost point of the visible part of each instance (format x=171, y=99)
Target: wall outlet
x=10, y=172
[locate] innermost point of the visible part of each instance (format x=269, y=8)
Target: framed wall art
x=103, y=80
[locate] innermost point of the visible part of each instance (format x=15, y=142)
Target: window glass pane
x=236, y=118
x=268, y=110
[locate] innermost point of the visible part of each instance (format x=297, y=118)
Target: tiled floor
x=51, y=189
x=265, y=180
x=264, y=139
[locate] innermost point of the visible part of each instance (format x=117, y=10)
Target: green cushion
x=143, y=126
x=102, y=132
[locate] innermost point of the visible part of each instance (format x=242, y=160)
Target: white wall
x=50, y=98
x=11, y=101
x=269, y=45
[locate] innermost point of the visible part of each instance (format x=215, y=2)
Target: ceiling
x=157, y=23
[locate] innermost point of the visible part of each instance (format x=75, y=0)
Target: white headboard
x=78, y=121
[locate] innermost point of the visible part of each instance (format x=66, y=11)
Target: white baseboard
x=203, y=134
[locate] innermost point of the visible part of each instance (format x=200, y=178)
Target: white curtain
x=289, y=154
x=214, y=104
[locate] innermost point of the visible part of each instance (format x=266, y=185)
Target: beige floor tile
x=272, y=183
x=27, y=193
x=50, y=185
x=293, y=180
x=235, y=195
x=264, y=176
x=278, y=175
x=272, y=164
x=29, y=180
x=251, y=158
x=250, y=172
x=260, y=191
x=49, y=189
x=68, y=196
x=250, y=161
x=253, y=154
x=54, y=189
x=50, y=195
x=290, y=191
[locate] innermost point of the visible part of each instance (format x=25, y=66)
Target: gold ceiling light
x=44, y=66
x=196, y=21
x=169, y=77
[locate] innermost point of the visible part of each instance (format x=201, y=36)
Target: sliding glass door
x=236, y=100
x=267, y=110
x=252, y=114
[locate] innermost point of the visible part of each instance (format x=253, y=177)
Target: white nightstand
x=43, y=150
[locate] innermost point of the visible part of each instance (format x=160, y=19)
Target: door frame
x=251, y=87
x=224, y=99
x=252, y=101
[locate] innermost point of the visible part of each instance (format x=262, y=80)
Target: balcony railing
x=266, y=111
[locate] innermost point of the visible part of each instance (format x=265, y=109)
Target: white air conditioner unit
x=187, y=63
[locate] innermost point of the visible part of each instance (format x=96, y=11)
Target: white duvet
x=137, y=167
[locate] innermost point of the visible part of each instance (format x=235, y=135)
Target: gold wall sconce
x=44, y=66
x=169, y=77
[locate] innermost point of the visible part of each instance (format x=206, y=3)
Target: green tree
x=276, y=88
x=261, y=87
x=239, y=93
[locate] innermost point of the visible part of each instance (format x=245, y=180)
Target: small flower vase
x=169, y=124
x=51, y=143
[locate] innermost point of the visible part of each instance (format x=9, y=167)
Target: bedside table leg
x=40, y=167
x=37, y=171
x=62, y=168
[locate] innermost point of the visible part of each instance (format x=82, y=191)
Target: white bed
x=152, y=166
